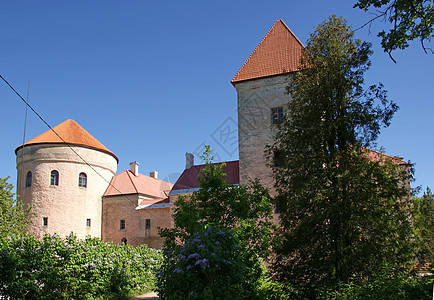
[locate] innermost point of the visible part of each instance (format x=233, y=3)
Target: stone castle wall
x=256, y=98
x=117, y=208
x=67, y=206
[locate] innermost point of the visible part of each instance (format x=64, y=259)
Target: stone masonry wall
x=256, y=98
x=67, y=206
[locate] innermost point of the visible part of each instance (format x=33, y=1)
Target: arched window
x=124, y=241
x=29, y=179
x=82, y=180
x=54, y=178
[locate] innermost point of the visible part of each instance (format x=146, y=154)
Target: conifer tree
x=342, y=205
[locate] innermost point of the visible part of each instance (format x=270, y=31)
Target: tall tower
x=64, y=182
x=261, y=85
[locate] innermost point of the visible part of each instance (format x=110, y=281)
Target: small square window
x=148, y=224
x=122, y=225
x=88, y=222
x=277, y=115
x=45, y=221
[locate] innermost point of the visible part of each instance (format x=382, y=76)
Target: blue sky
x=151, y=79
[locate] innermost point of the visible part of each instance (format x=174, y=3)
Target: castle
x=69, y=178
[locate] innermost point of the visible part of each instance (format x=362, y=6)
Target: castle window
x=87, y=222
x=277, y=115
x=82, y=180
x=54, y=178
x=29, y=179
x=45, y=221
x=148, y=224
x=277, y=159
x=122, y=225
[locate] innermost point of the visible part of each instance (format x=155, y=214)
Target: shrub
x=70, y=268
x=210, y=265
x=387, y=283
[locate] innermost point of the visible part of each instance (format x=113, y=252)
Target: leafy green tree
x=342, y=205
x=13, y=213
x=410, y=19
x=423, y=218
x=247, y=210
x=220, y=234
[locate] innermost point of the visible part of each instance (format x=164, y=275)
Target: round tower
x=64, y=181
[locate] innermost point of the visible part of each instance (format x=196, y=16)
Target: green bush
x=388, y=283
x=69, y=268
x=210, y=265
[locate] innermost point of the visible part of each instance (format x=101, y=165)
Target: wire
x=70, y=147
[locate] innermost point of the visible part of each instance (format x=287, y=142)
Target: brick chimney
x=134, y=168
x=153, y=174
x=189, y=160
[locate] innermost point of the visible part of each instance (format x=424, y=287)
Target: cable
x=70, y=147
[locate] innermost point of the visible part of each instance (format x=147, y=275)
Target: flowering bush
x=56, y=268
x=210, y=265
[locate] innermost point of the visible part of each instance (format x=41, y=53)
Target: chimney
x=153, y=174
x=189, y=160
x=134, y=168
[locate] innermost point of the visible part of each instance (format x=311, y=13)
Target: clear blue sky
x=151, y=79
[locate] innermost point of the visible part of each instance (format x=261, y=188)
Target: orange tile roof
x=127, y=183
x=278, y=52
x=71, y=133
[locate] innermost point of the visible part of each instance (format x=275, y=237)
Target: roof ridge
x=132, y=181
x=285, y=48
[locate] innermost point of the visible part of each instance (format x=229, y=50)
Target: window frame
x=277, y=115
x=147, y=224
x=45, y=221
x=54, y=178
x=122, y=225
x=29, y=179
x=82, y=180
x=88, y=222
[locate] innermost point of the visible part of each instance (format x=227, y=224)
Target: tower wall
x=256, y=98
x=67, y=206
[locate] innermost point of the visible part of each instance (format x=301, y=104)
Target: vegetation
x=423, y=224
x=410, y=20
x=13, y=213
x=69, y=268
x=210, y=265
x=343, y=207
x=220, y=233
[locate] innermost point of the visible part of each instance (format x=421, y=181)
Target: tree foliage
x=220, y=234
x=245, y=209
x=423, y=223
x=342, y=204
x=410, y=19
x=13, y=213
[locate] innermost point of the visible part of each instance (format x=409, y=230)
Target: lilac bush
x=56, y=268
x=210, y=265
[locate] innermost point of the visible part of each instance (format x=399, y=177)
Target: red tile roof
x=154, y=201
x=71, y=133
x=278, y=52
x=376, y=156
x=189, y=178
x=127, y=183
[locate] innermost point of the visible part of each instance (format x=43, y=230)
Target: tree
x=410, y=19
x=220, y=233
x=247, y=210
x=342, y=205
x=423, y=223
x=13, y=213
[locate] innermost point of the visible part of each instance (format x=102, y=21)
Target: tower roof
x=71, y=133
x=278, y=52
